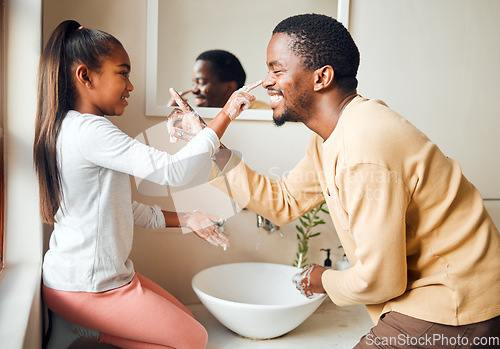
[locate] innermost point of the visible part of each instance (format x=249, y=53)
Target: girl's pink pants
x=140, y=314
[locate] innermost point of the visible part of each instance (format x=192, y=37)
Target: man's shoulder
x=371, y=130
x=373, y=116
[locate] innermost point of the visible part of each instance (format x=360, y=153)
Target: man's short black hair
x=225, y=66
x=321, y=40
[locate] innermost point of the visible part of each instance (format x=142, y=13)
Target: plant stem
x=308, y=221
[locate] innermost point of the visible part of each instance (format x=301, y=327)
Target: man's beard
x=291, y=115
x=287, y=115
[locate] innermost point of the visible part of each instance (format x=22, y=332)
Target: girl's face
x=111, y=85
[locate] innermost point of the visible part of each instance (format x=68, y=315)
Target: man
x=216, y=75
x=425, y=254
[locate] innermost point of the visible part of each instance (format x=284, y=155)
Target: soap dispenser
x=343, y=264
x=328, y=262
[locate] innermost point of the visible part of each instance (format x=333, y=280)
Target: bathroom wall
x=436, y=63
x=168, y=256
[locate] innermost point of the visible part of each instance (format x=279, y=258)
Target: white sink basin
x=255, y=300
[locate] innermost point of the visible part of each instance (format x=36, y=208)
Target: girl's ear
x=323, y=77
x=83, y=76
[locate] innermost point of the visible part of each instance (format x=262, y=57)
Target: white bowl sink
x=255, y=300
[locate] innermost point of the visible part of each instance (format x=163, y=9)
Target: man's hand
x=308, y=282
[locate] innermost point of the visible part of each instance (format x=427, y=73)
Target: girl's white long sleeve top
x=92, y=238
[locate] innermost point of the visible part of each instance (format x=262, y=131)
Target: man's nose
x=268, y=81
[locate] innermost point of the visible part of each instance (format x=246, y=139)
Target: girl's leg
x=147, y=283
x=132, y=316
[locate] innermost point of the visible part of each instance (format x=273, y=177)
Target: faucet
x=265, y=223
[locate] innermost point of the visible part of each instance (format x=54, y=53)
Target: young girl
x=83, y=164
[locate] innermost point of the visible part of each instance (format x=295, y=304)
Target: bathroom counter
x=330, y=326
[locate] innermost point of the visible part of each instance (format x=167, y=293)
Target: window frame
x=2, y=184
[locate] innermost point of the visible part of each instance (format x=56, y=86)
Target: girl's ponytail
x=70, y=44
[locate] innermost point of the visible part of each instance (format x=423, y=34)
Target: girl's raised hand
x=240, y=100
x=172, y=102
x=183, y=123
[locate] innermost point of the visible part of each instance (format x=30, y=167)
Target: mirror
x=179, y=30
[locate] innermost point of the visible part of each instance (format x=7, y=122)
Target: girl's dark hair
x=68, y=46
x=321, y=40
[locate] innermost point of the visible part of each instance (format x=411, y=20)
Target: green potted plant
x=306, y=231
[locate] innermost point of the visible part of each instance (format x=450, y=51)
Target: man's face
x=289, y=83
x=208, y=90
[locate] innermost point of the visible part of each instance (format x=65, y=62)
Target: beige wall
x=167, y=256
x=436, y=63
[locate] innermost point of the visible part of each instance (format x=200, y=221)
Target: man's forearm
x=222, y=157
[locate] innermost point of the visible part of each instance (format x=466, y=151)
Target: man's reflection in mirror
x=216, y=75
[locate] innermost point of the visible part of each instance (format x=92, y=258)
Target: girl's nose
x=130, y=87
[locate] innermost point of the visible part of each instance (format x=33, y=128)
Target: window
x=2, y=196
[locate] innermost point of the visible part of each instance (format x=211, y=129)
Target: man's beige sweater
x=415, y=230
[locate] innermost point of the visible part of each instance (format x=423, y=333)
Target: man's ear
x=227, y=88
x=323, y=77
x=231, y=86
x=83, y=75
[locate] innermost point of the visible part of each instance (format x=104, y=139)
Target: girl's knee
x=199, y=337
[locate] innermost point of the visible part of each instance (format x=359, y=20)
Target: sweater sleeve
x=102, y=143
x=279, y=200
x=372, y=204
x=148, y=216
